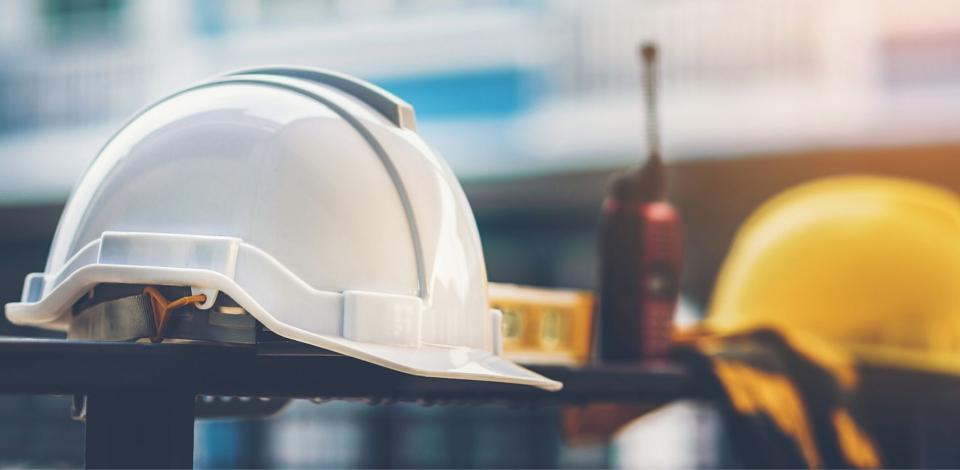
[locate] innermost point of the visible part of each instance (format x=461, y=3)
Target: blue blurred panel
x=487, y=93
x=227, y=443
x=209, y=17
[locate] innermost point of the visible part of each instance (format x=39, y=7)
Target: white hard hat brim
x=49, y=307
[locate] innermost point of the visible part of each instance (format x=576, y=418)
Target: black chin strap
x=123, y=319
x=130, y=318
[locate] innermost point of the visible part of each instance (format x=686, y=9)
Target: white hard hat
x=304, y=197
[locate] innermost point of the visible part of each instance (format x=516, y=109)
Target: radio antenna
x=648, y=53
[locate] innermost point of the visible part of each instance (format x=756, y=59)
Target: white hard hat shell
x=306, y=196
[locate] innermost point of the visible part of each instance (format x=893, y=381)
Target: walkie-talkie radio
x=640, y=252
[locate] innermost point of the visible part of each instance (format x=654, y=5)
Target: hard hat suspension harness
x=161, y=309
x=118, y=312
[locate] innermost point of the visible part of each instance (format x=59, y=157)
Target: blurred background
x=535, y=103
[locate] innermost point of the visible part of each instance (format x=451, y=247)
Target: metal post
x=139, y=429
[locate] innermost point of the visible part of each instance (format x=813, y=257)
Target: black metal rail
x=140, y=398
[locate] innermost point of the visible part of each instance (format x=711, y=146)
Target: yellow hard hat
x=869, y=264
